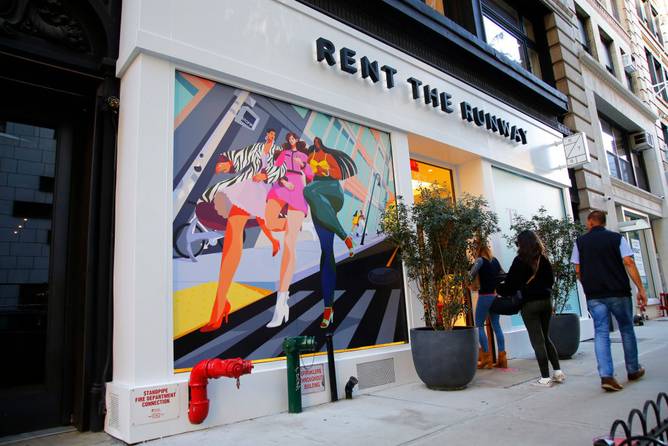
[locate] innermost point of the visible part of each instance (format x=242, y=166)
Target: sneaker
x=558, y=376
x=543, y=382
x=636, y=375
x=610, y=384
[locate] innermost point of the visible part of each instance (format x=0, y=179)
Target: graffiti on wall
x=275, y=229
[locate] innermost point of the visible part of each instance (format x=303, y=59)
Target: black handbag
x=507, y=305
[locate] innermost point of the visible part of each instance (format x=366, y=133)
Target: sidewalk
x=500, y=407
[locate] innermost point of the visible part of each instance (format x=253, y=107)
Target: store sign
x=153, y=404
x=576, y=150
x=313, y=378
x=439, y=100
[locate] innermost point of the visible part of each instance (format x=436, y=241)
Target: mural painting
x=275, y=230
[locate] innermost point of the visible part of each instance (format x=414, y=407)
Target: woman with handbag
x=531, y=274
x=487, y=271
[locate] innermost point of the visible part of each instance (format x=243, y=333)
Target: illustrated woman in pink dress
x=289, y=191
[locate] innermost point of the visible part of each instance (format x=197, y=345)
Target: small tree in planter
x=435, y=236
x=558, y=236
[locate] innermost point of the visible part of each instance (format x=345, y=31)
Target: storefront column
x=142, y=270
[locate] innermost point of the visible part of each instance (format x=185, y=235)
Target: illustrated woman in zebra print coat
x=238, y=198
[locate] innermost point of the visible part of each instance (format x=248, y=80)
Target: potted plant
x=558, y=236
x=435, y=236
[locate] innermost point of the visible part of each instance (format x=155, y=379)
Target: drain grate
x=375, y=373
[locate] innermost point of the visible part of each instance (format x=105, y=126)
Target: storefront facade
x=199, y=82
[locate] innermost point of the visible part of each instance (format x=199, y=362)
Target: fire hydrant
x=198, y=408
x=293, y=347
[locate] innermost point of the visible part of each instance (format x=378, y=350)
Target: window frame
x=491, y=10
x=635, y=160
x=608, y=52
x=583, y=29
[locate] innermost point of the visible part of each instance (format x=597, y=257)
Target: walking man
x=602, y=259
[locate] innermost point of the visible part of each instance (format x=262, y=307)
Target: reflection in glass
x=504, y=42
x=27, y=165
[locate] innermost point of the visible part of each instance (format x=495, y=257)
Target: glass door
x=32, y=306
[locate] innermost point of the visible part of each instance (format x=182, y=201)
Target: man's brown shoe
x=610, y=384
x=636, y=375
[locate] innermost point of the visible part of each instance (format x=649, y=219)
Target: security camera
x=662, y=197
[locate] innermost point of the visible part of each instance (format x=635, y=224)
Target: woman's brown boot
x=485, y=360
x=501, y=361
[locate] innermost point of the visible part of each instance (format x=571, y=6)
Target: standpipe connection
x=198, y=407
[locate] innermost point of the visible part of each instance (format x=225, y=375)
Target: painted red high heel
x=275, y=247
x=215, y=326
x=349, y=243
x=327, y=317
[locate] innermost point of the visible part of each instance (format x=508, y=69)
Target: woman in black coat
x=531, y=274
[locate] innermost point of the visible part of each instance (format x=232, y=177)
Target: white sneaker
x=543, y=382
x=558, y=376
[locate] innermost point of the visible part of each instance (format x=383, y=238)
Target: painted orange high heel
x=327, y=317
x=275, y=247
x=215, y=326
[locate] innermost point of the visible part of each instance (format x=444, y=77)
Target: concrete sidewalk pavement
x=499, y=407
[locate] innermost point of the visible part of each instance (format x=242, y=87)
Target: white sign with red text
x=313, y=378
x=154, y=404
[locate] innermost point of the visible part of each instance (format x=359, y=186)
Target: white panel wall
x=266, y=46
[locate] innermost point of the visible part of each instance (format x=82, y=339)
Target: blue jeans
x=622, y=309
x=481, y=313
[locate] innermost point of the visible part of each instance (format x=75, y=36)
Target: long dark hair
x=530, y=248
x=345, y=162
x=301, y=145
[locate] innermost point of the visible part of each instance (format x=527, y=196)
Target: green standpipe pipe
x=293, y=347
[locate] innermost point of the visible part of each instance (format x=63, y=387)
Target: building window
x=657, y=75
x=511, y=34
x=459, y=11
x=664, y=146
x=583, y=34
x=627, y=76
x=606, y=54
x=655, y=26
x=614, y=9
x=622, y=164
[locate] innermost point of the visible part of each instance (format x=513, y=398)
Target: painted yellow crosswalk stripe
x=192, y=306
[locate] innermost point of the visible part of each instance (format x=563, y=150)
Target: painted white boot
x=281, y=310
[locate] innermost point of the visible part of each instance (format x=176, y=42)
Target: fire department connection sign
x=153, y=404
x=313, y=378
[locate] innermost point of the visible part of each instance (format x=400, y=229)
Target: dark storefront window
x=623, y=164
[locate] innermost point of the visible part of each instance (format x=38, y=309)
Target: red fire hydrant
x=198, y=408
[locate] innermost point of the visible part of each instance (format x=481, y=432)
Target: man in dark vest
x=602, y=260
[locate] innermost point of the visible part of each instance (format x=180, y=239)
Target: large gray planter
x=565, y=334
x=445, y=360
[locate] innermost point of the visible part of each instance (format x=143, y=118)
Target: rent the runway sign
x=439, y=100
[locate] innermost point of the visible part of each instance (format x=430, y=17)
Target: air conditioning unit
x=642, y=141
x=629, y=64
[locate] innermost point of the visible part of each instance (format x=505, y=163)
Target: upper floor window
x=655, y=25
x=615, y=9
x=606, y=54
x=627, y=75
x=511, y=33
x=583, y=31
x=459, y=11
x=622, y=163
x=657, y=75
